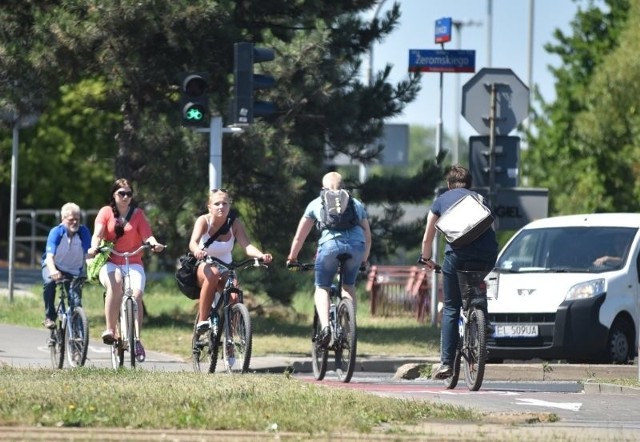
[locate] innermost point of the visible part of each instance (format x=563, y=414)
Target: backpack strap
x=224, y=228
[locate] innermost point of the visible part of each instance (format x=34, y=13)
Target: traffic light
x=194, y=102
x=507, y=158
x=245, y=106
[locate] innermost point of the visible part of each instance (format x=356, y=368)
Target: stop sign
x=512, y=100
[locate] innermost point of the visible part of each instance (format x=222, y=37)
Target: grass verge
x=141, y=399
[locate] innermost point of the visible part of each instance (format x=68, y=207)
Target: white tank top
x=218, y=249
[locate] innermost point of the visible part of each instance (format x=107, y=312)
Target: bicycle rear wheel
x=56, y=344
x=204, y=349
x=319, y=355
x=475, y=354
x=77, y=339
x=238, y=343
x=346, y=342
x=130, y=332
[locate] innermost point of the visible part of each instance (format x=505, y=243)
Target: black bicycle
x=234, y=324
x=71, y=333
x=342, y=322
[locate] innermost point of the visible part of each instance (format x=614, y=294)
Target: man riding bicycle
x=483, y=249
x=66, y=251
x=344, y=228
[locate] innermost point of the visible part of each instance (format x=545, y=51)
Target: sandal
x=107, y=337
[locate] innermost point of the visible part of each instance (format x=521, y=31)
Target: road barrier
x=400, y=291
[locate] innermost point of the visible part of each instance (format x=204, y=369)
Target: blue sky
x=509, y=48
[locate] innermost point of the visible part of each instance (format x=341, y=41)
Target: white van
x=568, y=288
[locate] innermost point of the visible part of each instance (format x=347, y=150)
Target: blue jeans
x=454, y=261
x=49, y=295
x=327, y=265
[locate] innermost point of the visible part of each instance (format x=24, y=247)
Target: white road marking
x=571, y=406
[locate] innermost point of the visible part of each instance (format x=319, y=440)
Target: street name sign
x=440, y=60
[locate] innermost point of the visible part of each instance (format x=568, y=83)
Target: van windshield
x=568, y=249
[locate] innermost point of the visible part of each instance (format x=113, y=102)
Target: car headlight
x=585, y=290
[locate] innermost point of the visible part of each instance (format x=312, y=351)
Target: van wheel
x=619, y=342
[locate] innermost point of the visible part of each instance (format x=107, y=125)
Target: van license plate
x=516, y=331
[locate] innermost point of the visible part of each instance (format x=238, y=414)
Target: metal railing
x=32, y=229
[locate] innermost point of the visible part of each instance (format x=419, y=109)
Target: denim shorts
x=327, y=264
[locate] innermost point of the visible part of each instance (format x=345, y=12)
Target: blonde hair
x=214, y=192
x=332, y=181
x=69, y=209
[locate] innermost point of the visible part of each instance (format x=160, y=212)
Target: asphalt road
x=585, y=412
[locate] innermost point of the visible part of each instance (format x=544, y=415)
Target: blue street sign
x=424, y=60
x=443, y=30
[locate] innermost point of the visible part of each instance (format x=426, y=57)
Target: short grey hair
x=69, y=209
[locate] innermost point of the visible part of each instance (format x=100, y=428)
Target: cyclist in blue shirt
x=65, y=254
x=352, y=234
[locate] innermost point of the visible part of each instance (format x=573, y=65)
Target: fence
x=32, y=229
x=400, y=291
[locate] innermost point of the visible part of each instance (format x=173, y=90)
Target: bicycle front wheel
x=346, y=342
x=204, y=349
x=56, y=344
x=77, y=337
x=129, y=313
x=475, y=354
x=318, y=354
x=238, y=339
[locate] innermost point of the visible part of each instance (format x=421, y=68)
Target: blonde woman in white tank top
x=207, y=225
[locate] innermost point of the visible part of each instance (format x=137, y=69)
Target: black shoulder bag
x=186, y=272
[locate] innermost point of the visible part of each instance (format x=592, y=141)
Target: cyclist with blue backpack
x=344, y=228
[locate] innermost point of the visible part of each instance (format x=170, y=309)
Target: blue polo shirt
x=68, y=252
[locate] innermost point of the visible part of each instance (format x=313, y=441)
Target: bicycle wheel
x=77, y=338
x=475, y=354
x=130, y=331
x=319, y=355
x=238, y=341
x=56, y=344
x=346, y=342
x=204, y=349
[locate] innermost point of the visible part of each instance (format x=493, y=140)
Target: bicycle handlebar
x=142, y=247
x=249, y=262
x=300, y=266
x=437, y=268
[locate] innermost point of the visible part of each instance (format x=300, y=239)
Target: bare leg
x=321, y=297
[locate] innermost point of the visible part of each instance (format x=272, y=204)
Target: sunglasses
x=219, y=190
x=124, y=193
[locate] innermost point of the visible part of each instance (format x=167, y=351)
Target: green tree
x=135, y=52
x=582, y=144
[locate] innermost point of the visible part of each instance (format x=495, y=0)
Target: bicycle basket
x=469, y=281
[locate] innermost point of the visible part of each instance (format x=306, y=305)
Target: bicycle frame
x=234, y=323
x=342, y=323
x=472, y=340
x=71, y=334
x=128, y=325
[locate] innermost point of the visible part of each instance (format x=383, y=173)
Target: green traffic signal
x=194, y=102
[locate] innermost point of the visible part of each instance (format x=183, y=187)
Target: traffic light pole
x=216, y=130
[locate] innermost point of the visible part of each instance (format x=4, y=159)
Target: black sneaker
x=324, y=338
x=443, y=372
